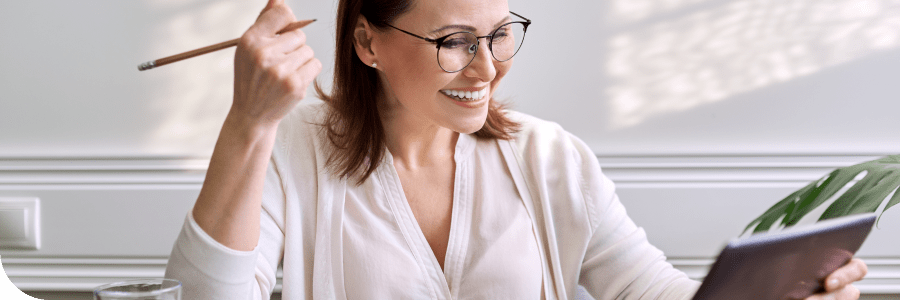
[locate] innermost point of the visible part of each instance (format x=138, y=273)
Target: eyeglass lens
x=458, y=49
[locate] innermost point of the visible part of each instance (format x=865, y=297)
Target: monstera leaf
x=866, y=195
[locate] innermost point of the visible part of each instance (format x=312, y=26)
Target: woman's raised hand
x=271, y=72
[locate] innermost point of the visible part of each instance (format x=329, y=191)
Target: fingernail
x=829, y=297
x=832, y=284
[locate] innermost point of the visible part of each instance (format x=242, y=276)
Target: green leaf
x=768, y=218
x=866, y=195
x=894, y=201
x=812, y=199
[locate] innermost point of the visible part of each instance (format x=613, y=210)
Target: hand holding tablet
x=792, y=264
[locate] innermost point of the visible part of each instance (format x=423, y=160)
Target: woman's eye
x=453, y=43
x=499, y=34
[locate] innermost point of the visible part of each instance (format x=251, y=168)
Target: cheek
x=410, y=58
x=414, y=72
x=501, y=72
x=502, y=68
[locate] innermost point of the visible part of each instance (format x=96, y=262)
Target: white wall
x=704, y=112
x=715, y=76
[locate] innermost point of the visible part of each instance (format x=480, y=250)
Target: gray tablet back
x=791, y=264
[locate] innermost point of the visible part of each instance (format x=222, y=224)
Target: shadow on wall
x=192, y=96
x=716, y=51
x=665, y=56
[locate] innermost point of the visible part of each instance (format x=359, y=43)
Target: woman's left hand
x=838, y=284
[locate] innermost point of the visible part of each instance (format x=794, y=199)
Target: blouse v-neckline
x=447, y=280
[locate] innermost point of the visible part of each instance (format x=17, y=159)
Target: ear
x=362, y=40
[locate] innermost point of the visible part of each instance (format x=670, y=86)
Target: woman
x=411, y=182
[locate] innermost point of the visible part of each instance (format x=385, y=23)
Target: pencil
x=182, y=56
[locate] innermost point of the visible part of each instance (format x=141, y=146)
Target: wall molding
x=100, y=171
x=33, y=272
x=709, y=169
x=623, y=169
x=78, y=274
x=84, y=274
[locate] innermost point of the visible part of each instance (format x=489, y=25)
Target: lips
x=466, y=96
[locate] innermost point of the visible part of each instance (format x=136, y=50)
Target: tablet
x=790, y=264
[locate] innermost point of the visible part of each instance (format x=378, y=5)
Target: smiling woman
x=409, y=181
x=354, y=124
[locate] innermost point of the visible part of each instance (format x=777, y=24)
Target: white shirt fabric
x=532, y=218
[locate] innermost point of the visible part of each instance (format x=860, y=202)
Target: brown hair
x=352, y=124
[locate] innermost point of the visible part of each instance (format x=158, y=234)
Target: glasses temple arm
x=520, y=16
x=413, y=34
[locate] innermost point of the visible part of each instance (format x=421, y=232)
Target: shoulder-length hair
x=352, y=123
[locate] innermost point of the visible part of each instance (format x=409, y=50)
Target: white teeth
x=466, y=95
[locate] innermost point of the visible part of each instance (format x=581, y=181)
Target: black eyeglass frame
x=438, y=41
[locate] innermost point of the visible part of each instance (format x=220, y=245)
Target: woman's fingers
x=848, y=292
x=281, y=83
x=838, y=285
x=304, y=76
x=290, y=41
x=287, y=70
x=272, y=3
x=271, y=21
x=272, y=71
x=297, y=58
x=853, y=271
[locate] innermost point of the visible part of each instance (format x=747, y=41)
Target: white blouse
x=532, y=218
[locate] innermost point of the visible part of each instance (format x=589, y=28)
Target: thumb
x=272, y=3
x=269, y=5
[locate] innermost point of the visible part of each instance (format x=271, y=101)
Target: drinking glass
x=141, y=289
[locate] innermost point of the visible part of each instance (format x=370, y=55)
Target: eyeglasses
x=457, y=50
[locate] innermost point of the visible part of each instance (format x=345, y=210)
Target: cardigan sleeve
x=209, y=270
x=619, y=261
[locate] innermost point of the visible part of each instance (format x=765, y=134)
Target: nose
x=482, y=66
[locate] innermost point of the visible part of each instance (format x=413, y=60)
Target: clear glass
x=457, y=50
x=141, y=289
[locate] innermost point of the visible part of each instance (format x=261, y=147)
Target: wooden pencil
x=182, y=56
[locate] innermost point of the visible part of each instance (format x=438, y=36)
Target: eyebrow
x=467, y=27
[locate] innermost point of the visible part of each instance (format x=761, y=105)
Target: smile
x=466, y=96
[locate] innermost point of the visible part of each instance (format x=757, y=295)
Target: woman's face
x=415, y=85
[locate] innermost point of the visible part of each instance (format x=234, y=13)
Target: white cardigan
x=319, y=227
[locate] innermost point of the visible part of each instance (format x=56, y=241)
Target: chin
x=472, y=124
x=471, y=130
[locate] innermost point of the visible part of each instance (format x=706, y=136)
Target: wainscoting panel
x=691, y=206
x=107, y=220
